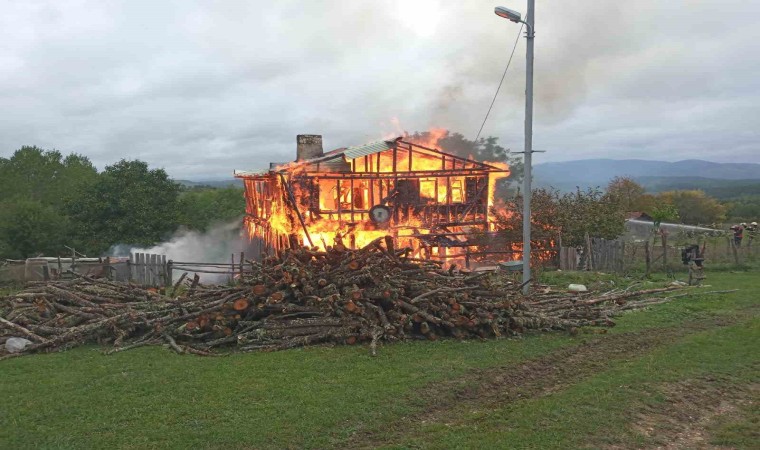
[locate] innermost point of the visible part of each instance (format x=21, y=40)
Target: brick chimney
x=308, y=146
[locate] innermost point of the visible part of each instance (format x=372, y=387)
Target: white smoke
x=215, y=246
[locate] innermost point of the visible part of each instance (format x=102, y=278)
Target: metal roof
x=364, y=150
x=336, y=158
x=250, y=173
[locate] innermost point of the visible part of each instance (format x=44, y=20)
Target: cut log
x=241, y=304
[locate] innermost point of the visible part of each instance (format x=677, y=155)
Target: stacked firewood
x=302, y=297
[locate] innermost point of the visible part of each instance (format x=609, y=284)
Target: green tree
x=508, y=216
x=202, y=207
x=29, y=228
x=664, y=212
x=44, y=175
x=589, y=213
x=694, y=206
x=35, y=184
x=745, y=208
x=572, y=215
x=627, y=192
x=129, y=203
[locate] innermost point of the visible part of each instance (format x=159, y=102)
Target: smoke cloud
x=235, y=81
x=214, y=246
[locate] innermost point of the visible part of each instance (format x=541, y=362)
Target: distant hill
x=654, y=175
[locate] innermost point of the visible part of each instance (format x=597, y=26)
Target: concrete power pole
x=527, y=192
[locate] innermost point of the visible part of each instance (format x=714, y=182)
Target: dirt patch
x=486, y=388
x=690, y=406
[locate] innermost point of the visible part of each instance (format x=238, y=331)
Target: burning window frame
x=426, y=199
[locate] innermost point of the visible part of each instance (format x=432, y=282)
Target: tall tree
x=202, y=207
x=29, y=228
x=573, y=215
x=129, y=203
x=628, y=192
x=44, y=175
x=695, y=207
x=589, y=213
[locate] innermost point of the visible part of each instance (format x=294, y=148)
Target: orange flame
x=334, y=224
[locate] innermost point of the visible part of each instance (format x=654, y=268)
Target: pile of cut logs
x=303, y=297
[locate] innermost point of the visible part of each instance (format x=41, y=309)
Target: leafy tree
x=694, y=206
x=627, y=192
x=589, y=213
x=744, y=208
x=36, y=174
x=664, y=212
x=129, y=203
x=508, y=216
x=29, y=228
x=646, y=203
x=201, y=208
x=35, y=184
x=573, y=215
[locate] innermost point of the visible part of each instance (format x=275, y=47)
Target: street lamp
x=507, y=13
x=514, y=16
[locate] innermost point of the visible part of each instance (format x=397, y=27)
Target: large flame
x=335, y=226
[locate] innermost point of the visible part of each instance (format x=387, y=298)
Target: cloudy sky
x=204, y=87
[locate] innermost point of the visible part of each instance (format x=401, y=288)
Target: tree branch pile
x=305, y=297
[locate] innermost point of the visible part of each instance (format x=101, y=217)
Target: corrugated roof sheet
x=335, y=159
x=368, y=149
x=250, y=173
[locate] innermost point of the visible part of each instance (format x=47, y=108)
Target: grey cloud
x=202, y=88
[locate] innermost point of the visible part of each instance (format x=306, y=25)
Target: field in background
x=681, y=371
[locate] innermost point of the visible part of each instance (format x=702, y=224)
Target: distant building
x=639, y=215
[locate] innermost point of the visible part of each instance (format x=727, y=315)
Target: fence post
x=156, y=274
x=141, y=268
x=232, y=267
x=107, y=267
x=647, y=257
x=164, y=272
x=129, y=267
x=136, y=269
x=148, y=269
x=153, y=270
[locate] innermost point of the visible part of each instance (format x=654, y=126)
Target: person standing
x=738, y=234
x=751, y=231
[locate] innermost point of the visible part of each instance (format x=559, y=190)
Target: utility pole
x=514, y=16
x=527, y=191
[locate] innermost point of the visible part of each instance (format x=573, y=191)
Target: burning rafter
x=429, y=200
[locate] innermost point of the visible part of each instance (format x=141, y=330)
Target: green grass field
x=684, y=372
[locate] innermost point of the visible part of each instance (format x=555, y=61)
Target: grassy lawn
x=409, y=395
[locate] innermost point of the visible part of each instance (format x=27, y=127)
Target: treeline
x=49, y=202
x=602, y=213
x=741, y=198
x=689, y=206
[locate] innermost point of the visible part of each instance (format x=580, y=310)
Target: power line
x=500, y=82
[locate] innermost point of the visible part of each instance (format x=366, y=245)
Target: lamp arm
x=530, y=28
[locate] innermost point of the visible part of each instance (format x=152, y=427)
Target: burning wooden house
x=426, y=199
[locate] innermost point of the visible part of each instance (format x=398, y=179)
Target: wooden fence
x=150, y=270
x=652, y=254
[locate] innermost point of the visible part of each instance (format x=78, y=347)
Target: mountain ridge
x=583, y=173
